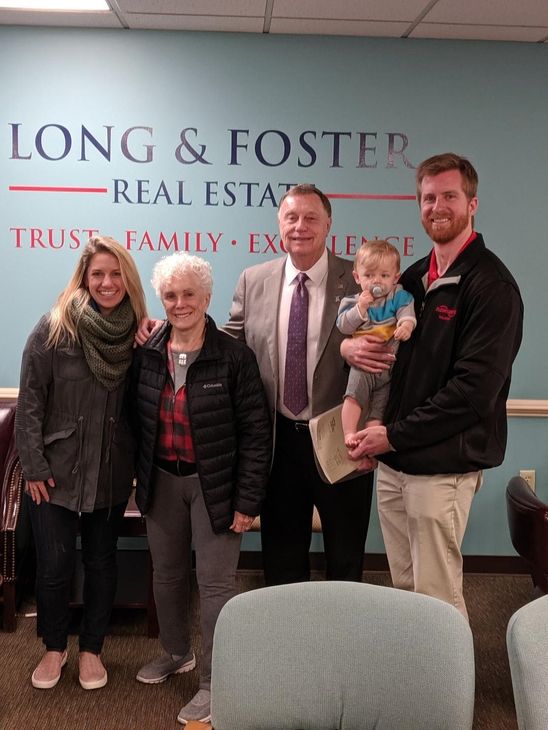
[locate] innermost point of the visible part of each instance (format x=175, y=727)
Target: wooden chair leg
x=10, y=620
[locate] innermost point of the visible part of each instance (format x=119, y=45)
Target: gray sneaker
x=198, y=709
x=159, y=669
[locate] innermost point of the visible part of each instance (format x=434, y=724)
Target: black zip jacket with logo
x=229, y=421
x=447, y=407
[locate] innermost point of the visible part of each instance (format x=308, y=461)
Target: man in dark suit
x=262, y=316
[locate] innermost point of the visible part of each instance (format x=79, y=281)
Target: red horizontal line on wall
x=53, y=189
x=367, y=196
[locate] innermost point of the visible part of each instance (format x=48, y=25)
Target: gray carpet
x=125, y=704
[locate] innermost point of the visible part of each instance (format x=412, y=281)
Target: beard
x=449, y=232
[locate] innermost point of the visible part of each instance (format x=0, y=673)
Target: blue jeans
x=55, y=529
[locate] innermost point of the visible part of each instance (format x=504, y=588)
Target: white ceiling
x=494, y=20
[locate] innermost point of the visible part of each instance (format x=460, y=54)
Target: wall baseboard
x=514, y=408
x=377, y=562
x=527, y=408
x=9, y=393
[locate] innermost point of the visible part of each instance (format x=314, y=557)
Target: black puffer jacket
x=228, y=416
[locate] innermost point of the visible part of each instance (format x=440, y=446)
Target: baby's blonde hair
x=373, y=252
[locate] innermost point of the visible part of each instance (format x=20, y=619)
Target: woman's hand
x=367, y=353
x=241, y=523
x=39, y=490
x=146, y=328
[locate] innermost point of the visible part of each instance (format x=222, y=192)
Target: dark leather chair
x=528, y=523
x=11, y=482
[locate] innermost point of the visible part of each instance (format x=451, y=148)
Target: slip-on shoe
x=48, y=683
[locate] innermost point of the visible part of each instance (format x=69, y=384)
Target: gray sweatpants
x=177, y=521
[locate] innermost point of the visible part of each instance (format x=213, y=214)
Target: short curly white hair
x=179, y=264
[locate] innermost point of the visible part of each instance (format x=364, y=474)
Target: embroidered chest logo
x=445, y=313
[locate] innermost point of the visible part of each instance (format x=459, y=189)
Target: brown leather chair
x=528, y=523
x=11, y=482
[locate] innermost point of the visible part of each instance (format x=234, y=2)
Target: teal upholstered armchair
x=326, y=655
x=527, y=642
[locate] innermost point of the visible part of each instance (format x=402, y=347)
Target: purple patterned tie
x=295, y=389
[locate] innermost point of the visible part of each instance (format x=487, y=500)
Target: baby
x=383, y=309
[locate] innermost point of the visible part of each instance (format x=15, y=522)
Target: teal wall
x=352, y=115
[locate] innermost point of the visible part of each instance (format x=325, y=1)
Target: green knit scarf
x=107, y=342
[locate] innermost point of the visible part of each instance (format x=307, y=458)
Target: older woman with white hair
x=204, y=457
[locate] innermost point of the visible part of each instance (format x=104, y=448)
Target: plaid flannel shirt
x=174, y=435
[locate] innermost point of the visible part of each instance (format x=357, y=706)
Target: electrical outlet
x=529, y=476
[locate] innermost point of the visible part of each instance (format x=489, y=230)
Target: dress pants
x=177, y=520
x=423, y=519
x=294, y=487
x=55, y=529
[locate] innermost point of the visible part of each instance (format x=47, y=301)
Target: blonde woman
x=77, y=450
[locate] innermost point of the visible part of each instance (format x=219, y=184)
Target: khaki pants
x=423, y=519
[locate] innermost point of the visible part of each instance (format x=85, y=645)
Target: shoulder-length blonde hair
x=63, y=319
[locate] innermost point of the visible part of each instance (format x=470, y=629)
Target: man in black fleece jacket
x=446, y=415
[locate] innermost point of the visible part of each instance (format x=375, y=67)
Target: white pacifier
x=376, y=290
